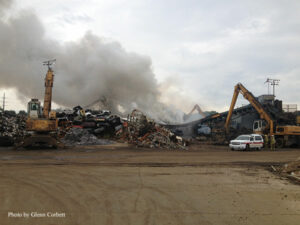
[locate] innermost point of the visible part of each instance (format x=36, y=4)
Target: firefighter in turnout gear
x=272, y=142
x=266, y=141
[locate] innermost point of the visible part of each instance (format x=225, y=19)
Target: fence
x=289, y=107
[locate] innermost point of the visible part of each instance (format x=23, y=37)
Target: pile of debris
x=99, y=122
x=143, y=132
x=80, y=136
x=12, y=128
x=88, y=127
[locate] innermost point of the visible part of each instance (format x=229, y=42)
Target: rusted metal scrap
x=12, y=128
x=100, y=123
x=144, y=132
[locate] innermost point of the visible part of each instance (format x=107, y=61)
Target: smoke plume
x=86, y=70
x=4, y=4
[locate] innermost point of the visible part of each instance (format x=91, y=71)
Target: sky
x=199, y=49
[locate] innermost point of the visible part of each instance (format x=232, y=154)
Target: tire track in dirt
x=38, y=188
x=140, y=188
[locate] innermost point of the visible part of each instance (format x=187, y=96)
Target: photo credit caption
x=36, y=214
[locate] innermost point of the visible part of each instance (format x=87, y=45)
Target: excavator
x=190, y=116
x=197, y=107
x=266, y=125
x=41, y=123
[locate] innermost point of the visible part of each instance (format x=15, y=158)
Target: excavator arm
x=197, y=107
x=239, y=88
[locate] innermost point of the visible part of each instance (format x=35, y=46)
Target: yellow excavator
x=197, y=107
x=283, y=134
x=41, y=123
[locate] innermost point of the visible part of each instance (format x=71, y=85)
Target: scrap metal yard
x=87, y=166
x=149, y=112
x=122, y=184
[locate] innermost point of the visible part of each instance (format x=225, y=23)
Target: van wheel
x=247, y=147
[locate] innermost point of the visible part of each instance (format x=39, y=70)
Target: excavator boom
x=197, y=107
x=49, y=79
x=48, y=93
x=239, y=88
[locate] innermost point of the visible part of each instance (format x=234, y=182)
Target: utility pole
x=272, y=82
x=3, y=102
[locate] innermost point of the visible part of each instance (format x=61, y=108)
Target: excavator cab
x=259, y=126
x=34, y=109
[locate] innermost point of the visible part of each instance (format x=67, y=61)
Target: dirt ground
x=119, y=184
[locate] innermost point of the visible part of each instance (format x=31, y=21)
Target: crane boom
x=197, y=107
x=239, y=88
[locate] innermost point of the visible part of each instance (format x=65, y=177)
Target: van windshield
x=243, y=137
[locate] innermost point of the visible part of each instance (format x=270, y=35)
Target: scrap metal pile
x=137, y=129
x=12, y=128
x=143, y=132
x=79, y=136
x=90, y=127
x=100, y=123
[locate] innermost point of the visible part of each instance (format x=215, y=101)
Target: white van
x=247, y=142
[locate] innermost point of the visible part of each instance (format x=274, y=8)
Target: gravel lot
x=120, y=184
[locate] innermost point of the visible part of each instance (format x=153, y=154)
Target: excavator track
x=40, y=140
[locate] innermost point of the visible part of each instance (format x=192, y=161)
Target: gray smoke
x=89, y=69
x=5, y=4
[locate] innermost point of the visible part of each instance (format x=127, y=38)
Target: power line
x=272, y=82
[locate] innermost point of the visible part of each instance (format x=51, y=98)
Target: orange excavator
x=41, y=123
x=197, y=107
x=282, y=133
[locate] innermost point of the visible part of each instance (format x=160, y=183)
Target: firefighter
x=272, y=142
x=266, y=141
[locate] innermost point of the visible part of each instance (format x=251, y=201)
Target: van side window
x=258, y=138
